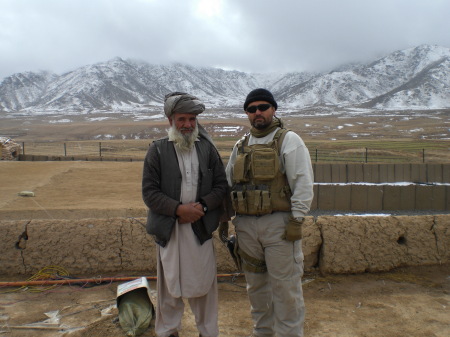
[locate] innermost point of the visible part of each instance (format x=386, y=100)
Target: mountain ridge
x=414, y=78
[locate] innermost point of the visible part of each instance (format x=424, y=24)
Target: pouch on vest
x=281, y=197
x=258, y=200
x=251, y=199
x=238, y=199
x=240, y=169
x=264, y=163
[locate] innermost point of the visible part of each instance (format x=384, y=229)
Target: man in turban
x=184, y=185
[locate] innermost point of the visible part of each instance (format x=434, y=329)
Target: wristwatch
x=205, y=208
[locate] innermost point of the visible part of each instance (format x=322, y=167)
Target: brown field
x=392, y=137
x=404, y=302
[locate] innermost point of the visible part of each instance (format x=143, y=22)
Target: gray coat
x=161, y=189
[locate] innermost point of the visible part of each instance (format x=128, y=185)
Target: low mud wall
x=120, y=246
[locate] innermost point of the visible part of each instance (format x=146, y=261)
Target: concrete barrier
x=323, y=172
x=331, y=244
x=358, y=197
x=381, y=173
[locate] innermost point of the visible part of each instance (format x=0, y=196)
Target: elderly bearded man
x=184, y=185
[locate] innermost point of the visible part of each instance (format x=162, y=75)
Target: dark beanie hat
x=260, y=95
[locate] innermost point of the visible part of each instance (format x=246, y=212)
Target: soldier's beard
x=261, y=123
x=183, y=141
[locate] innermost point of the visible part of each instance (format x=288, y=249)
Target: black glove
x=223, y=231
x=293, y=230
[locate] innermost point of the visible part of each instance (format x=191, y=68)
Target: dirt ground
x=404, y=302
x=67, y=190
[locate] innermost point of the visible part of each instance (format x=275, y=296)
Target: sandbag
x=135, y=311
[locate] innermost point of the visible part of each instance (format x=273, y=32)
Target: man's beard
x=261, y=123
x=184, y=142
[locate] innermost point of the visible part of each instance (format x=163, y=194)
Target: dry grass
x=392, y=137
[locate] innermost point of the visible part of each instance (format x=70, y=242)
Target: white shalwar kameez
x=187, y=269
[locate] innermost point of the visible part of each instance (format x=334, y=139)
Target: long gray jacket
x=161, y=189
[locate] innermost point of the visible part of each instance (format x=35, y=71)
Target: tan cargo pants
x=276, y=296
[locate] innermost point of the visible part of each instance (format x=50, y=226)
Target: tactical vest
x=259, y=186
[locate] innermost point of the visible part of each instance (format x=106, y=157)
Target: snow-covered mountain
x=23, y=90
x=415, y=78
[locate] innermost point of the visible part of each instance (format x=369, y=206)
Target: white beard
x=184, y=142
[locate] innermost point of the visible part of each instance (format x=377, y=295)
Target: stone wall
x=120, y=246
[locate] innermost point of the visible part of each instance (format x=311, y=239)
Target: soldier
x=271, y=179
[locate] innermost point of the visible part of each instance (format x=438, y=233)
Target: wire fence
x=87, y=150
x=135, y=150
x=367, y=155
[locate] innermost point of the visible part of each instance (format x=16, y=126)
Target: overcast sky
x=245, y=35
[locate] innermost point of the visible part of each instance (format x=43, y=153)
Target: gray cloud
x=247, y=35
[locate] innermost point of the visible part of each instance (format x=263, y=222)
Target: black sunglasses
x=262, y=107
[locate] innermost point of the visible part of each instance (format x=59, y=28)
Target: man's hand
x=189, y=213
x=293, y=230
